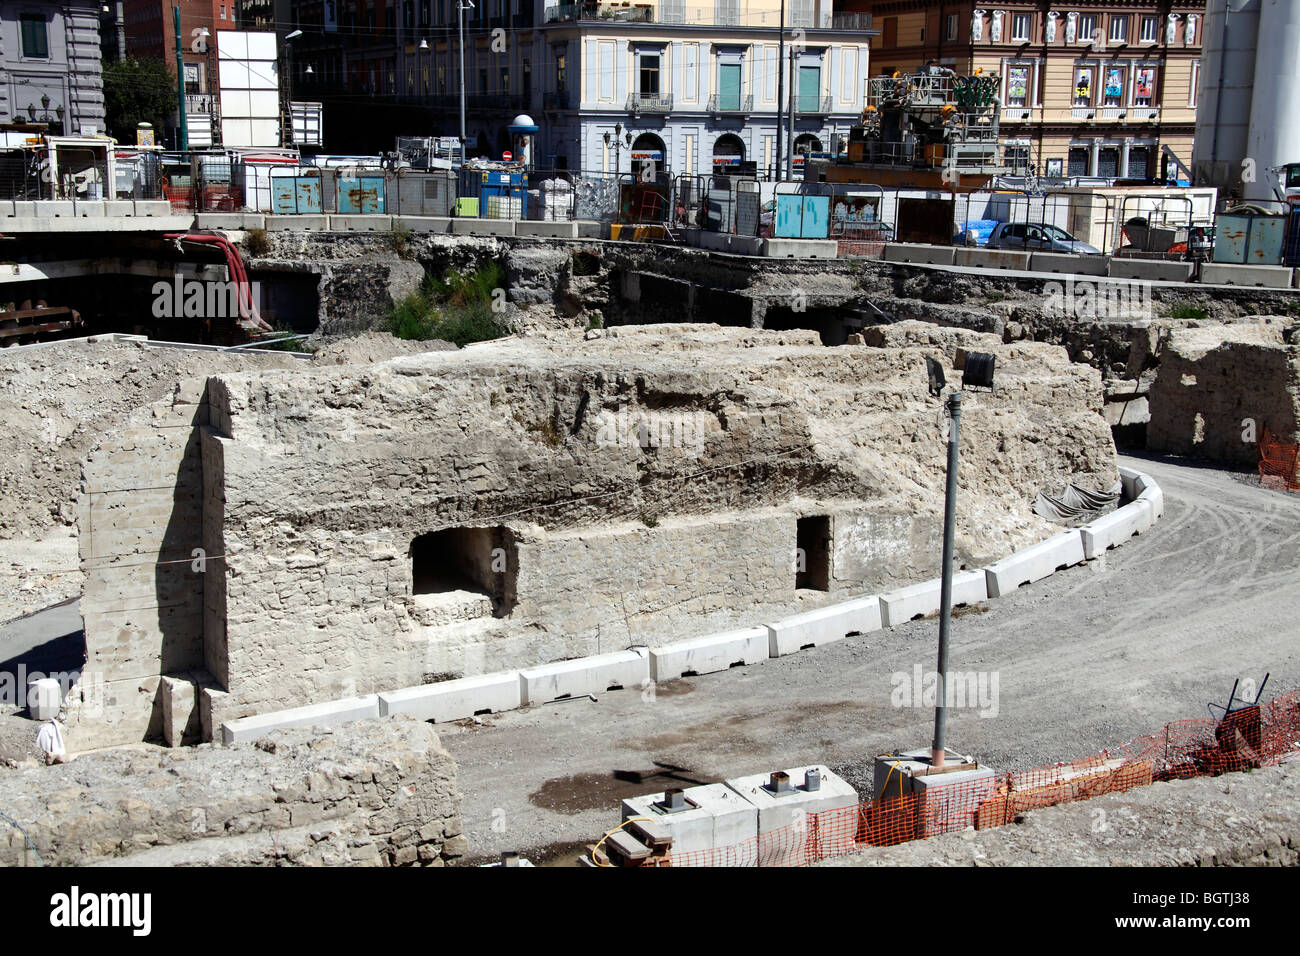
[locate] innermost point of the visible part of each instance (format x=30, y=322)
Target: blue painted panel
x=295, y=194
x=816, y=217
x=361, y=195
x=789, y=212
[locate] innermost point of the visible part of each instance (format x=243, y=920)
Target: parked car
x=1037, y=237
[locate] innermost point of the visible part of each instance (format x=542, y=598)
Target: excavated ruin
x=273, y=538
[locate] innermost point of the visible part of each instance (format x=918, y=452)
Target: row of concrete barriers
x=1129, y=269
x=637, y=667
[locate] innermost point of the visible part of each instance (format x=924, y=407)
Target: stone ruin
x=271, y=539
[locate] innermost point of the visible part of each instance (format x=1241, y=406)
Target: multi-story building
x=50, y=65
x=149, y=27
x=690, y=85
x=1088, y=88
x=151, y=33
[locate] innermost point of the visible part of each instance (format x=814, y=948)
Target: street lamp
x=460, y=17
x=618, y=139
x=977, y=371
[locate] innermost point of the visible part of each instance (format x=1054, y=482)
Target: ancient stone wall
x=637, y=488
x=140, y=519
x=370, y=793
x=1218, y=388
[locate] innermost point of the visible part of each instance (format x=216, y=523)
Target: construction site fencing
x=1278, y=463
x=1175, y=225
x=1243, y=739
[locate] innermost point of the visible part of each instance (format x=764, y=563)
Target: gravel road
x=1087, y=658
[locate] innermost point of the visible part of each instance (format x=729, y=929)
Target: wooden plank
x=651, y=833
x=627, y=847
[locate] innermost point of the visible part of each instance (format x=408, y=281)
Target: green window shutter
x=810, y=88
x=729, y=86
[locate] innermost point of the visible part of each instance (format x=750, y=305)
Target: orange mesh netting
x=1253, y=736
x=1277, y=462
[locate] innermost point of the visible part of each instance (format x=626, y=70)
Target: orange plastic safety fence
x=859, y=247
x=1278, y=462
x=180, y=197
x=1254, y=736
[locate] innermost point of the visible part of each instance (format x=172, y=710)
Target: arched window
x=728, y=153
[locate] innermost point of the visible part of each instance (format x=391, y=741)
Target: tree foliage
x=138, y=91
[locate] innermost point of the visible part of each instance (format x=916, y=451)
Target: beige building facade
x=1088, y=89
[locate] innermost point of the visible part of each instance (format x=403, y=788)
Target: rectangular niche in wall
x=481, y=560
x=813, y=539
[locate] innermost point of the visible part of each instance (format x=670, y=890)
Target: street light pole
x=460, y=16
x=780, y=88
x=183, y=133
x=945, y=594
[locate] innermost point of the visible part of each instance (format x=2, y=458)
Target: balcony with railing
x=731, y=103
x=198, y=103
x=851, y=21
x=627, y=13
x=811, y=105
x=650, y=103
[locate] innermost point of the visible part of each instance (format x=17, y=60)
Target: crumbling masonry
x=269, y=539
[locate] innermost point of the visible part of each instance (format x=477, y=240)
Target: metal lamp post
x=945, y=594
x=460, y=16
x=183, y=133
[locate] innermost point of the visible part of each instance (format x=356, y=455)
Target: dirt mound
x=371, y=347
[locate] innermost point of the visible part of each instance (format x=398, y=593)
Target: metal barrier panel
x=361, y=195
x=291, y=195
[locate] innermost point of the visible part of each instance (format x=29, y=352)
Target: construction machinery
x=930, y=129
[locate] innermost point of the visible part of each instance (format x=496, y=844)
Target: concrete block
x=1154, y=497
x=799, y=248
x=180, y=710
x=705, y=655
x=592, y=230
x=53, y=208
x=1112, y=530
x=230, y=220
x=153, y=207
x=1035, y=562
x=297, y=223
x=327, y=714
x=455, y=699
x=361, y=223
x=719, y=819
x=921, y=600
x=20, y=209
x=1151, y=270
x=973, y=256
x=919, y=252
x=785, y=836
x=746, y=246
x=44, y=698
x=89, y=210
x=1223, y=273
x=424, y=224
x=465, y=226
x=212, y=705
x=947, y=801
x=547, y=229
x=587, y=675
x=1068, y=263
x=824, y=626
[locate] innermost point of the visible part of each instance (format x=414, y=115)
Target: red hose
x=248, y=316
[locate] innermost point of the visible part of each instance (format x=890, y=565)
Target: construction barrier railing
x=1244, y=739
x=1278, y=463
